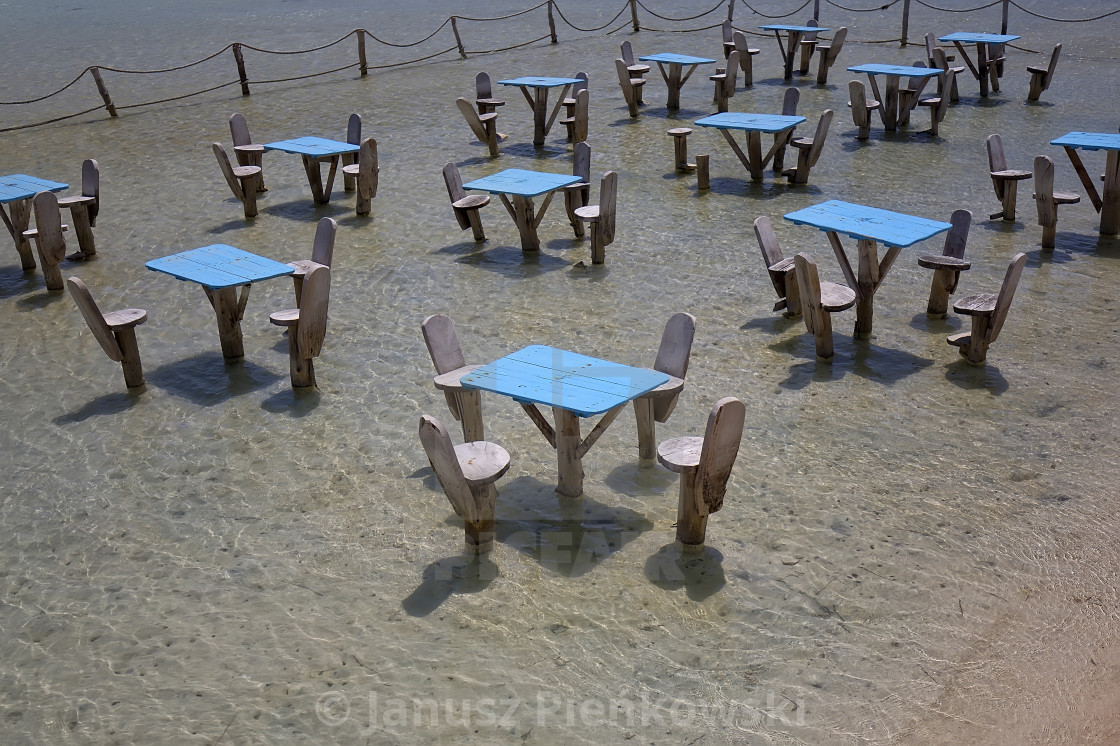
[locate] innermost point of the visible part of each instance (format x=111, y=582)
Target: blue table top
x=967, y=37
x=580, y=384
x=787, y=27
x=540, y=82
x=860, y=221
x=219, y=266
x=21, y=186
x=913, y=72
x=521, y=182
x=675, y=59
x=312, y=146
x=734, y=120
x=1089, y=140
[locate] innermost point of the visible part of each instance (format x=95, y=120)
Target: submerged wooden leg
x=598, y=246
x=822, y=335
x=647, y=438
x=469, y=402
x=691, y=525
x=754, y=154
x=1110, y=207
x=302, y=367
x=568, y=460
x=130, y=357
x=475, y=221
x=314, y=179
x=702, y=174
x=793, y=297
x=868, y=280
x=84, y=231
x=943, y=282
x=480, y=533
x=574, y=198
x=52, y=274
x=228, y=312
x=976, y=352
x=524, y=216
x=20, y=218
x=249, y=189
x=1010, y=188
x=1049, y=234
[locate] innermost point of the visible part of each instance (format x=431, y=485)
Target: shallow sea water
x=911, y=550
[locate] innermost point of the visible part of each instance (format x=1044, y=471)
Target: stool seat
x=940, y=261
x=482, y=462
x=471, y=201
x=288, y=317
x=449, y=381
x=126, y=318
x=680, y=454
x=836, y=297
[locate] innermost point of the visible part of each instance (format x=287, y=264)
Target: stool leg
x=691, y=526
x=647, y=439
x=938, y=305
x=130, y=357
x=480, y=533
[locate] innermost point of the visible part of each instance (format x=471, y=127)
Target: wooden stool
x=466, y=206
x=781, y=270
x=1004, y=179
x=601, y=217
x=1046, y=199
x=364, y=172
x=84, y=209
x=305, y=340
x=48, y=238
x=672, y=358
x=114, y=331
x=447, y=357
x=243, y=181
x=819, y=300
x=680, y=148
x=988, y=312
x=861, y=108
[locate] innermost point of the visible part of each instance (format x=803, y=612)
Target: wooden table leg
x=754, y=154
x=1110, y=200
x=568, y=459
x=790, y=53
x=982, y=67
x=16, y=225
x=523, y=215
x=334, y=159
x=314, y=178
x=673, y=83
x=228, y=310
x=647, y=439
x=540, y=111
x=868, y=279
x=890, y=104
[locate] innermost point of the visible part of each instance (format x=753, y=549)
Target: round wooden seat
x=588, y=212
x=1066, y=198
x=243, y=172
x=981, y=304
x=1011, y=173
x=940, y=261
x=450, y=381
x=482, y=462
x=351, y=169
x=126, y=318
x=639, y=69
x=303, y=266
x=471, y=201
x=680, y=454
x=288, y=317
x=835, y=297
x=672, y=387
x=489, y=102
x=679, y=132
x=785, y=265
x=251, y=148
x=77, y=199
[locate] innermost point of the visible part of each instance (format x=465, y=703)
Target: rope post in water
x=551, y=23
x=731, y=10
x=905, y=20
x=1003, y=24
x=362, y=65
x=241, y=69
x=103, y=91
x=816, y=9
x=458, y=40
x=634, y=15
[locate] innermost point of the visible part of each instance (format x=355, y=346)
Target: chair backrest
x=91, y=187
x=789, y=102
x=929, y=50
x=943, y=98
x=582, y=100
x=741, y=45
x=443, y=343
x=482, y=86
x=809, y=285
x=771, y=251
x=627, y=53
x=581, y=85
x=731, y=73
x=581, y=161
x=957, y=236
x=608, y=194
x=239, y=130
x=48, y=223
x=367, y=167
x=95, y=320
x=354, y=129
x=312, y=326
x=1053, y=64
x=623, y=76
x=455, y=191
x=227, y=170
x=818, y=138
x=1043, y=178
x=997, y=161
x=323, y=250
x=913, y=83
x=469, y=113
x=721, y=445
x=728, y=32
x=857, y=94
x=676, y=345
x=809, y=35
x=836, y=45
x=441, y=455
x=939, y=60
x=1006, y=293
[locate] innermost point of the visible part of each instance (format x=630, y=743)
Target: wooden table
x=538, y=101
x=989, y=55
x=754, y=125
x=313, y=151
x=522, y=186
x=1108, y=205
x=574, y=386
x=16, y=191
x=220, y=269
x=867, y=225
x=894, y=108
x=793, y=43
x=675, y=77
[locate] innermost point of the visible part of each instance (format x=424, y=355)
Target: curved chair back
x=809, y=285
x=454, y=184
x=469, y=113
x=91, y=187
x=1006, y=293
x=957, y=236
x=728, y=33
x=789, y=102
x=95, y=320
x=997, y=161
x=818, y=138
x=323, y=250
x=581, y=85
x=627, y=53
x=676, y=345
x=443, y=343
x=721, y=445
x=227, y=170
x=239, y=130
x=581, y=162
x=367, y=168
x=608, y=193
x=354, y=129
x=48, y=223
x=482, y=86
x=771, y=252
x=441, y=455
x=580, y=115
x=837, y=44
x=312, y=326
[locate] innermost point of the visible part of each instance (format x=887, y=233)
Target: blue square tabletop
x=1089, y=140
x=968, y=37
x=735, y=120
x=541, y=82
x=787, y=27
x=219, y=266
x=21, y=186
x=860, y=221
x=580, y=384
x=521, y=182
x=913, y=72
x=675, y=59
x=315, y=146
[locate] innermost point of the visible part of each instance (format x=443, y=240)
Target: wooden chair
x=243, y=181
x=467, y=473
x=353, y=137
x=1041, y=76
x=862, y=106
x=680, y=148
x=746, y=57
x=828, y=52
x=939, y=104
x=789, y=109
x=601, y=217
x=576, y=124
x=1004, y=179
x=728, y=38
x=705, y=466
x=780, y=269
x=1045, y=199
x=819, y=300
x=939, y=59
x=907, y=93
x=365, y=174
x=808, y=150
x=570, y=101
x=83, y=209
x=631, y=87
x=579, y=194
x=307, y=326
x=634, y=68
x=658, y=404
x=245, y=150
x=322, y=253
x=948, y=266
x=484, y=97
x=725, y=81
x=466, y=206
x=447, y=357
x=114, y=331
x=808, y=43
x=988, y=312
x=48, y=238
x=484, y=126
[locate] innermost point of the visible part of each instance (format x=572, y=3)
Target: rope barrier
x=784, y=15
x=50, y=121
x=678, y=20
x=958, y=10
x=515, y=46
x=1065, y=20
x=599, y=28
x=300, y=51
x=177, y=98
x=413, y=44
x=870, y=10
x=53, y=93
x=502, y=18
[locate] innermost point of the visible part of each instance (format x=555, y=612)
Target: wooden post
x=905, y=20
x=103, y=91
x=362, y=65
x=241, y=69
x=1003, y=24
x=702, y=171
x=551, y=23
x=731, y=10
x=816, y=9
x=634, y=15
x=458, y=39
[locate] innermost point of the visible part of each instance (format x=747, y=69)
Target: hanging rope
x=784, y=15
x=598, y=28
x=1065, y=20
x=678, y=20
x=958, y=10
x=867, y=10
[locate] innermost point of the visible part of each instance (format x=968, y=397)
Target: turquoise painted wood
x=313, y=146
x=580, y=384
x=1089, y=140
x=912, y=72
x=967, y=37
x=21, y=186
x=219, y=266
x=787, y=27
x=734, y=120
x=670, y=58
x=522, y=183
x=859, y=221
x=531, y=82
